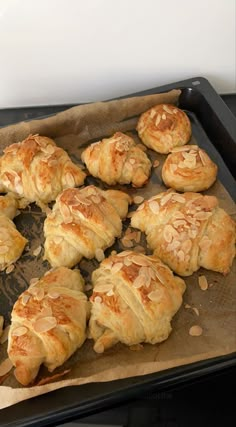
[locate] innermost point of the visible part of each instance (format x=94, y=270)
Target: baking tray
x=214, y=127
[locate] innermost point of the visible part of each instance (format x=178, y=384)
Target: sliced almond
x=202, y=216
x=195, y=331
x=160, y=276
x=39, y=294
x=132, y=161
x=204, y=158
x=156, y=163
x=25, y=299
x=139, y=282
x=138, y=199
x=127, y=262
x=10, y=268
x=186, y=246
x=167, y=109
x=103, y=287
x=5, y=334
x=140, y=207
x=187, y=306
x=18, y=332
x=37, y=251
x=155, y=295
x=178, y=198
x=110, y=293
x=113, y=252
x=5, y=367
x=96, y=199
x=158, y=119
x=53, y=294
x=196, y=311
x=166, y=198
x=126, y=243
x=203, y=284
x=45, y=324
x=116, y=267
x=154, y=206
x=136, y=347
x=98, y=299
x=99, y=254
x=163, y=116
x=139, y=260
x=33, y=281
x=139, y=249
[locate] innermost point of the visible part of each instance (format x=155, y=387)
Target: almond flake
x=196, y=311
x=5, y=367
x=140, y=207
x=98, y=299
x=139, y=282
x=25, y=299
x=154, y=206
x=127, y=262
x=203, y=284
x=140, y=249
x=45, y=324
x=166, y=198
x=102, y=287
x=139, y=260
x=160, y=277
x=10, y=268
x=152, y=113
x=187, y=306
x=156, y=163
x=184, y=148
x=203, y=156
x=138, y=199
x=33, y=281
x=163, y=116
x=110, y=293
x=39, y=294
x=5, y=334
x=126, y=243
x=173, y=246
x=167, y=109
x=179, y=223
x=136, y=347
x=37, y=251
x=99, y=254
x=116, y=267
x=18, y=332
x=132, y=161
x=186, y=246
x=96, y=199
x=201, y=216
x=156, y=295
x=167, y=233
x=178, y=198
x=158, y=119
x=195, y=331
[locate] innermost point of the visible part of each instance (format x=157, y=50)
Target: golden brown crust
x=48, y=323
x=117, y=160
x=8, y=205
x=189, y=168
x=12, y=243
x=164, y=127
x=188, y=231
x=37, y=170
x=134, y=299
x=81, y=222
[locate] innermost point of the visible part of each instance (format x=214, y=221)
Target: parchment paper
x=73, y=130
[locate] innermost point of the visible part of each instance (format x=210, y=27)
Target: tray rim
x=161, y=379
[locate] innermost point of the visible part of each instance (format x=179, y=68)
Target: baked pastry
x=48, y=323
x=8, y=205
x=117, y=160
x=82, y=223
x=37, y=170
x=12, y=243
x=164, y=127
x=134, y=299
x=189, y=168
x=188, y=231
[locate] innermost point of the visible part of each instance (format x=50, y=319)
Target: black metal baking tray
x=215, y=129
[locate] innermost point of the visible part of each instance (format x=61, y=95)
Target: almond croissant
x=187, y=231
x=12, y=243
x=82, y=223
x=36, y=170
x=48, y=323
x=117, y=160
x=134, y=299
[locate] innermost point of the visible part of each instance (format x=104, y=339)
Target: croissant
x=12, y=243
x=82, y=223
x=164, y=127
x=188, y=231
x=189, y=168
x=48, y=323
x=134, y=299
x=117, y=160
x=36, y=170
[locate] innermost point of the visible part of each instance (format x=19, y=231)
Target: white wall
x=61, y=51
